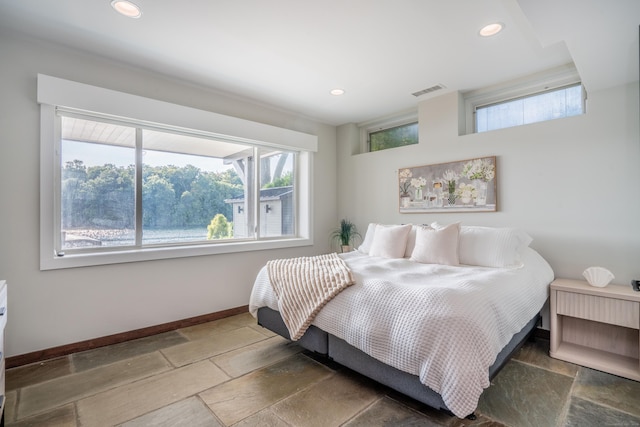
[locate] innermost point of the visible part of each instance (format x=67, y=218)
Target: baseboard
x=63, y=350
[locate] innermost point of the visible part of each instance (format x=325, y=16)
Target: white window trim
x=54, y=92
x=545, y=81
x=383, y=123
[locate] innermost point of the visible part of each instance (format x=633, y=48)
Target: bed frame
x=336, y=349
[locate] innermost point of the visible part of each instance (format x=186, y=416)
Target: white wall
x=58, y=307
x=573, y=184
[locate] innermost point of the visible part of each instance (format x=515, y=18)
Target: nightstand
x=596, y=327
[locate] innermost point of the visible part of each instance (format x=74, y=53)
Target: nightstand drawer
x=600, y=309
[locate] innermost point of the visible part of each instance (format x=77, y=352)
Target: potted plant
x=345, y=234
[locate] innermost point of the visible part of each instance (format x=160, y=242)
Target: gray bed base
x=340, y=351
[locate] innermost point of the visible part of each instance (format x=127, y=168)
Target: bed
x=432, y=311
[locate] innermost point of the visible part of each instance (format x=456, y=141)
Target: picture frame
x=460, y=186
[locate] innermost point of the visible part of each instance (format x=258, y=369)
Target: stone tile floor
x=232, y=372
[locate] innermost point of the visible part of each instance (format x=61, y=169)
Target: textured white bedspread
x=442, y=323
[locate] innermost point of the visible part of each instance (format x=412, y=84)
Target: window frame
x=537, y=84
x=54, y=92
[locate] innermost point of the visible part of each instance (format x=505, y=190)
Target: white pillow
x=365, y=247
x=411, y=241
x=491, y=246
x=437, y=246
x=390, y=241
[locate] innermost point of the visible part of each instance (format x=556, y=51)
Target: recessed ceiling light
x=491, y=29
x=337, y=92
x=126, y=8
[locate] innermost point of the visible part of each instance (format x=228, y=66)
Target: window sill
x=149, y=254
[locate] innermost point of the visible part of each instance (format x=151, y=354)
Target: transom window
x=548, y=105
x=393, y=131
x=397, y=136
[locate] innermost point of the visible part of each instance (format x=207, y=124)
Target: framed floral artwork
x=462, y=186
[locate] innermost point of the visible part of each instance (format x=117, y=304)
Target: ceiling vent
x=429, y=90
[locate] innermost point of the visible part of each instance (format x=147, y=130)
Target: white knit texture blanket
x=304, y=285
x=444, y=324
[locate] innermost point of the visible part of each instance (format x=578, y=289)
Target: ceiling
x=291, y=53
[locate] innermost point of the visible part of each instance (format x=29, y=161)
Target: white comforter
x=444, y=324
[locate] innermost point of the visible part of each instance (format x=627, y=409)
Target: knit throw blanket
x=304, y=285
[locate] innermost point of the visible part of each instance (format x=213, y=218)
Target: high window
x=396, y=130
x=548, y=105
x=548, y=95
x=121, y=189
x=397, y=136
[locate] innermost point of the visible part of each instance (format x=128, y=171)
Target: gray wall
x=573, y=184
x=51, y=308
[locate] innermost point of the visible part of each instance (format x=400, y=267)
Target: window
x=548, y=95
x=121, y=189
x=190, y=186
x=397, y=136
x=549, y=105
x=397, y=130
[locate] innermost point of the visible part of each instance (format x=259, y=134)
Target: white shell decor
x=598, y=276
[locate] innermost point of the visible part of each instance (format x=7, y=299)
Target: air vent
x=429, y=90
